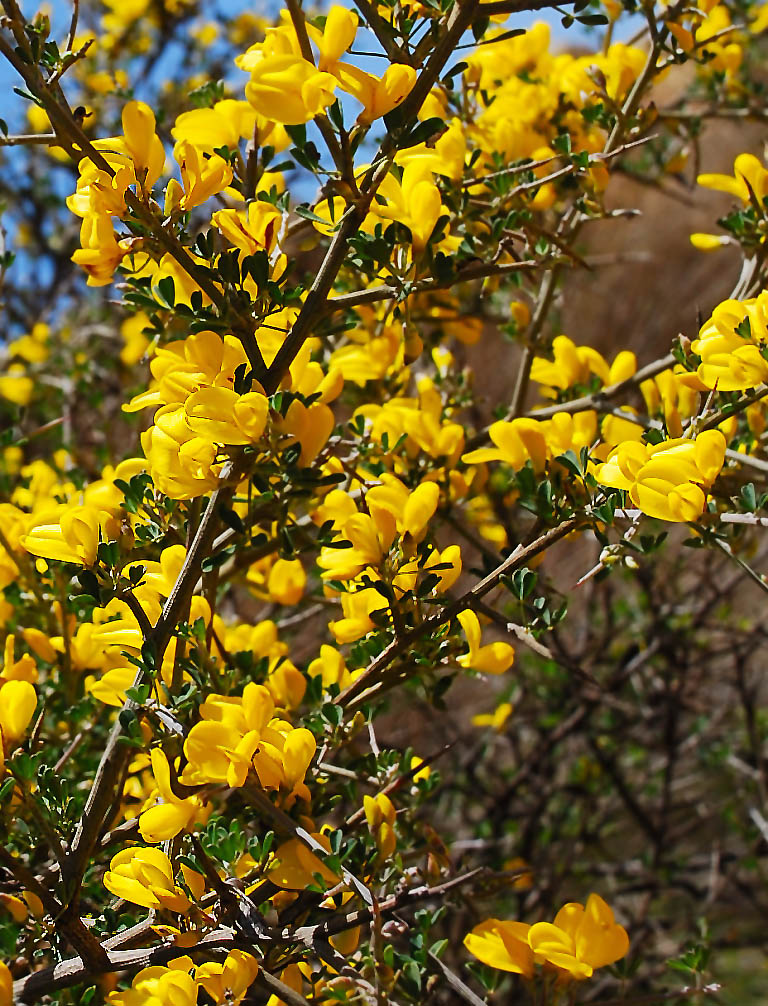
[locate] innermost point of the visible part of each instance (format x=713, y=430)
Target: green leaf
x=427, y=130
x=593, y=20
x=749, y=497
x=307, y=214
x=480, y=27
x=571, y=462
x=148, y=654
x=165, y=292
x=232, y=519
x=298, y=134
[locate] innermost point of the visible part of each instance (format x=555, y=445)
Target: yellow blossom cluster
x=179, y=983
x=287, y=83
x=327, y=503
x=373, y=561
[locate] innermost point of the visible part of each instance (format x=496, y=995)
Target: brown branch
x=70, y=972
x=475, y=270
x=73, y=24
x=597, y=400
x=380, y=29
x=113, y=759
x=363, y=686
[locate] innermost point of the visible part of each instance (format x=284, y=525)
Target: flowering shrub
x=292, y=703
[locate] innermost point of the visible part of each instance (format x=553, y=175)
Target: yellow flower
x=577, y=364
x=450, y=556
x=18, y=701
x=295, y=865
x=288, y=89
x=709, y=242
x=419, y=420
x=730, y=344
x=495, y=658
x=100, y=252
x=357, y=608
x=165, y=820
x=156, y=985
x=330, y=666
x=424, y=772
x=135, y=343
x=144, y=876
x=311, y=425
x=413, y=201
x=224, y=125
x=182, y=465
x=580, y=939
x=380, y=815
x=237, y=734
x=228, y=981
x=25, y=668
x=202, y=177
x=16, y=386
x=377, y=95
x=371, y=538
x=748, y=174
x=446, y=156
x=497, y=719
x=73, y=538
x=222, y=416
x=6, y=985
x=412, y=510
x=287, y=581
x=252, y=231
x=337, y=35
x=142, y=143
x=516, y=442
x=19, y=912
x=502, y=945
x=666, y=480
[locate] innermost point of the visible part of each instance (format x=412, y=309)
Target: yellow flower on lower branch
x=380, y=815
x=152, y=986
x=502, y=945
x=165, y=820
x=229, y=981
x=666, y=480
x=495, y=658
x=295, y=866
x=709, y=242
x=236, y=735
x=496, y=719
x=581, y=939
x=145, y=877
x=370, y=538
